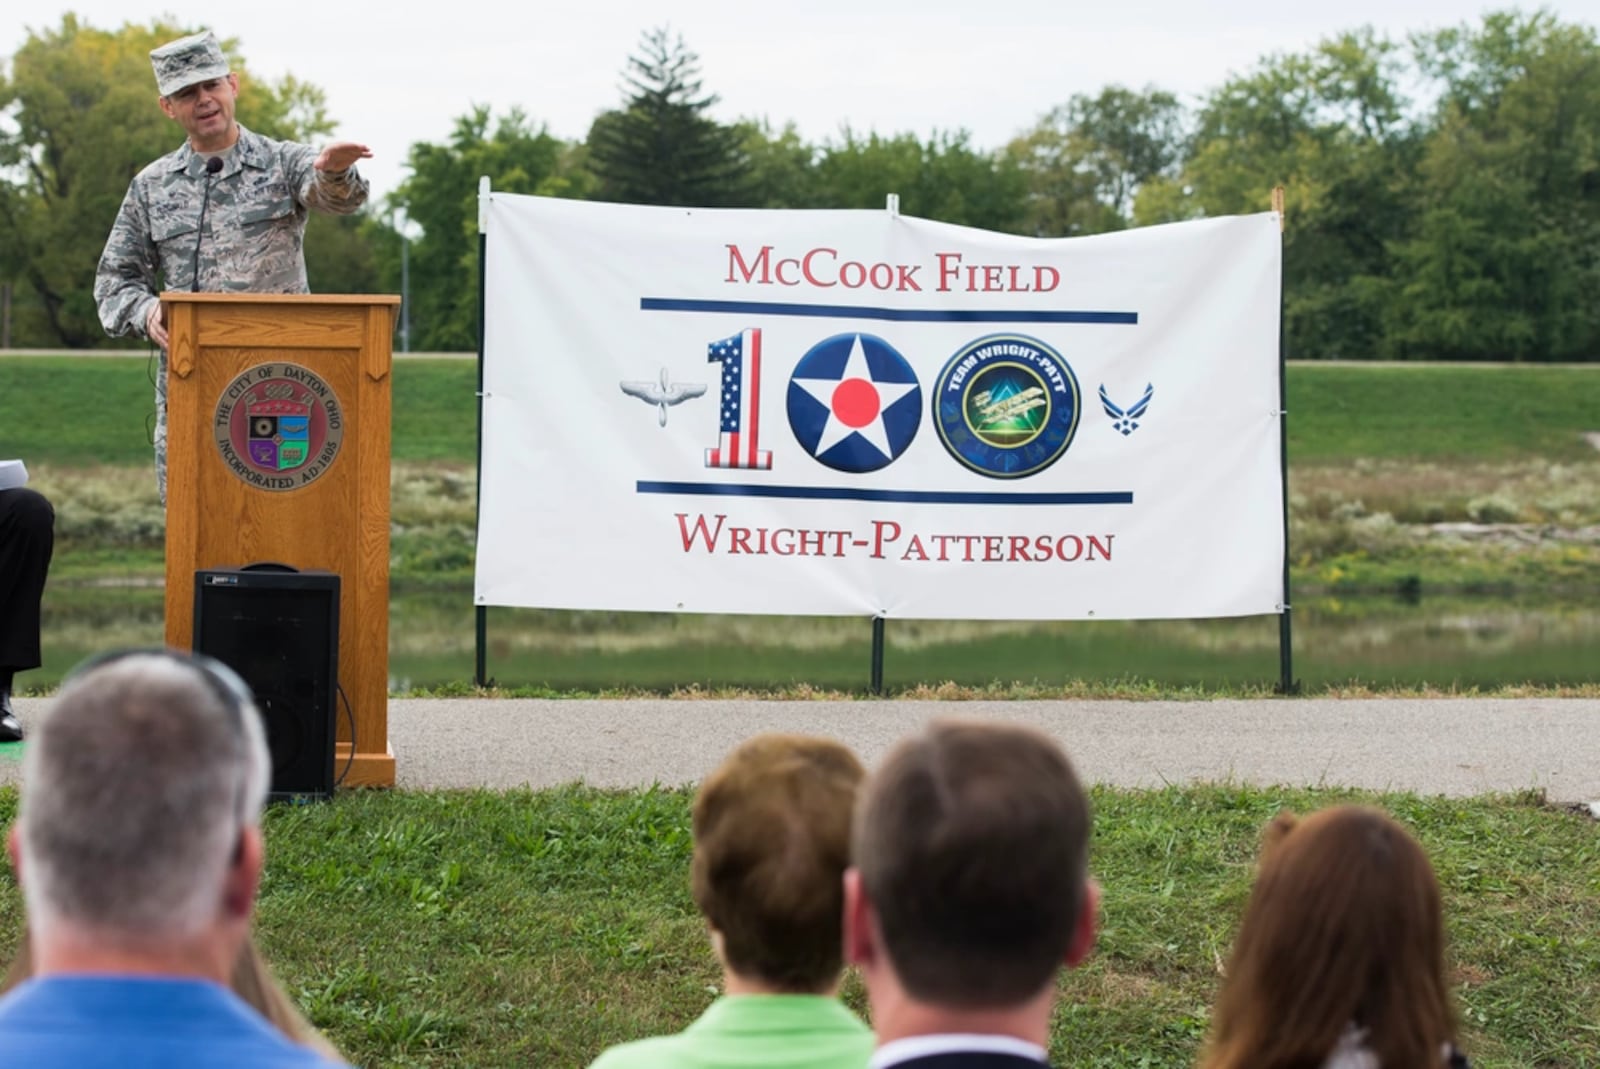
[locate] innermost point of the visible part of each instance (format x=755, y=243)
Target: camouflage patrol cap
x=188, y=60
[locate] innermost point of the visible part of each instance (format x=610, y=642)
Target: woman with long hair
x=1339, y=960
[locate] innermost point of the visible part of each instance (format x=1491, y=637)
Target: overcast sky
x=401, y=72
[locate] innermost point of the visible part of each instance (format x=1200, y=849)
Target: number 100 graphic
x=738, y=446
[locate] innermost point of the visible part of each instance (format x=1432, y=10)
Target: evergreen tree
x=661, y=148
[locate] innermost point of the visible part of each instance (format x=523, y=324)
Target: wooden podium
x=278, y=450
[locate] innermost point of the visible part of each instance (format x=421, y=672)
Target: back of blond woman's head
x=1343, y=928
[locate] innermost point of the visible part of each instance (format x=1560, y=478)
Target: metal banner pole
x=1286, y=682
x=877, y=655
x=481, y=640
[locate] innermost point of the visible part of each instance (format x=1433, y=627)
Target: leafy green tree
x=342, y=253
x=945, y=179
x=1329, y=125
x=85, y=120
x=662, y=147
x=440, y=196
x=782, y=167
x=1503, y=263
x=1086, y=160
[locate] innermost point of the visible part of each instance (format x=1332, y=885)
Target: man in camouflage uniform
x=253, y=210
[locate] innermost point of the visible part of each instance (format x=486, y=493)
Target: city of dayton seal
x=1006, y=406
x=279, y=426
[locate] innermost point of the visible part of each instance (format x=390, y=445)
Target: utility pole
x=401, y=225
x=405, y=292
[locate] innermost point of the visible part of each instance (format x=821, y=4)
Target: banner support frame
x=480, y=642
x=1286, y=682
x=877, y=656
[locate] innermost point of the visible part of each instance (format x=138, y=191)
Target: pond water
x=1445, y=642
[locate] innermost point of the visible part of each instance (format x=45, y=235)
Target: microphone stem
x=213, y=165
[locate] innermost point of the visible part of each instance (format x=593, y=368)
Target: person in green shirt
x=771, y=843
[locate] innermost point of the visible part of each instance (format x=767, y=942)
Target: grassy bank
x=1362, y=527
x=1457, y=478
x=1343, y=646
x=484, y=929
x=1408, y=484
x=74, y=410
x=1441, y=412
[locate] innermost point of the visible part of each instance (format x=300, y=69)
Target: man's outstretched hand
x=341, y=156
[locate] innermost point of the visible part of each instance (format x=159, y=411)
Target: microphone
x=213, y=166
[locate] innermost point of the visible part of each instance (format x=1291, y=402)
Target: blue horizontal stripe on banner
x=908, y=315
x=920, y=497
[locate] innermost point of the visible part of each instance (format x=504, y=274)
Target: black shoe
x=10, y=726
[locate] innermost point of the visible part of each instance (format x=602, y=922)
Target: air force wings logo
x=854, y=402
x=663, y=393
x=1126, y=420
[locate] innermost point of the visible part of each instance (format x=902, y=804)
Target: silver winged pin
x=663, y=393
x=1127, y=421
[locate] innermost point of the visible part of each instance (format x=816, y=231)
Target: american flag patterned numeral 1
x=738, y=444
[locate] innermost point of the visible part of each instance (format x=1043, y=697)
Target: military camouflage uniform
x=255, y=228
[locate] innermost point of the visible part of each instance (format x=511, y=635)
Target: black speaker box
x=279, y=629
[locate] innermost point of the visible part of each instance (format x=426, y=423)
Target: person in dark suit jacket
x=27, y=537
x=968, y=894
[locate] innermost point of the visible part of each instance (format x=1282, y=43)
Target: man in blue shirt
x=138, y=847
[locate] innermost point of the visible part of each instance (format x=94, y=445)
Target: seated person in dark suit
x=969, y=893
x=27, y=537
x=771, y=842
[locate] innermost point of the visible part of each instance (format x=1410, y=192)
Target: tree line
x=1443, y=192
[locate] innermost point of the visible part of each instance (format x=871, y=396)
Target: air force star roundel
x=854, y=402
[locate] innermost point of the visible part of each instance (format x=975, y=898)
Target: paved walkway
x=1431, y=746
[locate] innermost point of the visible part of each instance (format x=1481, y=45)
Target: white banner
x=860, y=413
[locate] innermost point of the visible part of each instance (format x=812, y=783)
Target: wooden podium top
x=360, y=322
x=175, y=297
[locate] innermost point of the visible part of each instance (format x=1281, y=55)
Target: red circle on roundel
x=855, y=402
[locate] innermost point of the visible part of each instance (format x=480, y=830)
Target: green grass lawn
x=1344, y=412
x=74, y=410
x=534, y=929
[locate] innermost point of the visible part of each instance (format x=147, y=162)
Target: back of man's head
x=137, y=787
x=971, y=842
